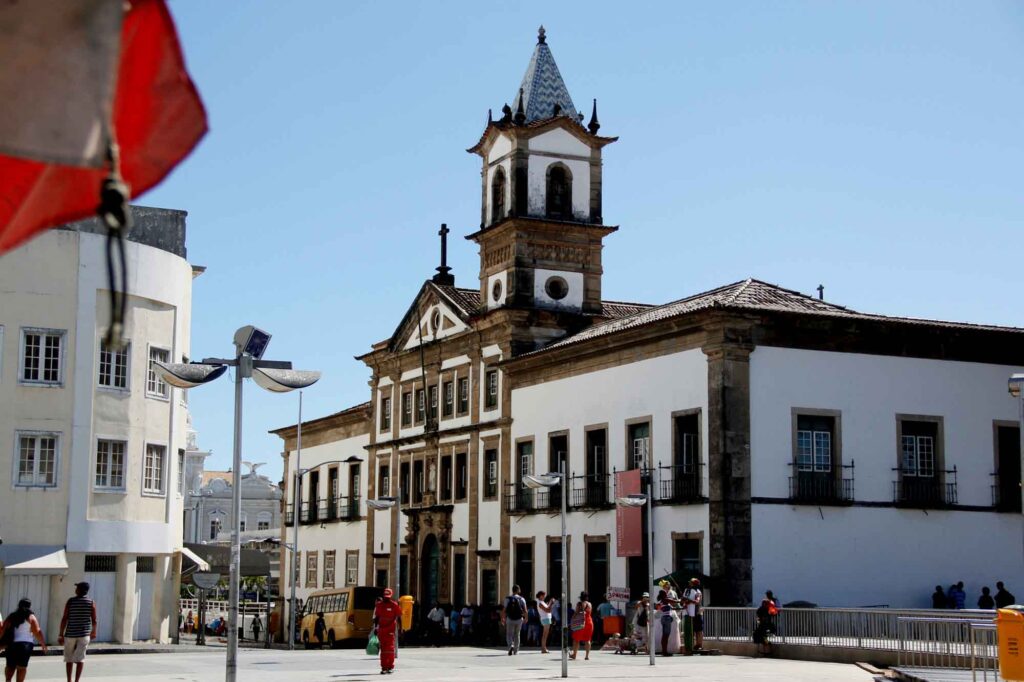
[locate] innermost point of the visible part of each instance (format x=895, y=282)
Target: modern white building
x=791, y=443
x=95, y=441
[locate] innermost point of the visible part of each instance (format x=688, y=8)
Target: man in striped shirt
x=77, y=627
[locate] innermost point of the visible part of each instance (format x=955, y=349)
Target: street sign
x=206, y=581
x=617, y=594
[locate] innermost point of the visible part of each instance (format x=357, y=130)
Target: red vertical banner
x=629, y=531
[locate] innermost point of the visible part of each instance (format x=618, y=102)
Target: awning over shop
x=198, y=563
x=33, y=559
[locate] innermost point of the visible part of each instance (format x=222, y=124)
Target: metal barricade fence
x=911, y=632
x=984, y=652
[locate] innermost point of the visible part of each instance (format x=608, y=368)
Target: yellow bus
x=348, y=614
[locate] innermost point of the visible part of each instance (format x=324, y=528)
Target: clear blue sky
x=874, y=147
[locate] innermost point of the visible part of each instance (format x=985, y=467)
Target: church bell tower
x=541, y=227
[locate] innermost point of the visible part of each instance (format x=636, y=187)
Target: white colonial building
x=94, y=441
x=791, y=443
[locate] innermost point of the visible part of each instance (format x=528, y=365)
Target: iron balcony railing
x=519, y=499
x=289, y=516
x=913, y=490
x=324, y=510
x=1005, y=498
x=822, y=487
x=680, y=483
x=591, y=491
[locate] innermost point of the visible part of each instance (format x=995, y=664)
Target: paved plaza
x=457, y=664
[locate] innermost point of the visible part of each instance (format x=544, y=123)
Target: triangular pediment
x=435, y=314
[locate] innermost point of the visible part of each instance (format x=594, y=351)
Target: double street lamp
x=276, y=376
x=550, y=480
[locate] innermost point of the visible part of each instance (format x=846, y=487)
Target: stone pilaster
x=729, y=470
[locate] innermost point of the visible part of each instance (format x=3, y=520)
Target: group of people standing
x=956, y=598
x=515, y=612
x=678, y=624
x=20, y=631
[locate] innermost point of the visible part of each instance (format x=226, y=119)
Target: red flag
x=629, y=531
x=158, y=119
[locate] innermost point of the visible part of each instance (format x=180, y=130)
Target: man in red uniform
x=386, y=615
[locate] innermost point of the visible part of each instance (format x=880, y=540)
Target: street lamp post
x=296, y=497
x=382, y=503
x=273, y=375
x=640, y=501
x=550, y=480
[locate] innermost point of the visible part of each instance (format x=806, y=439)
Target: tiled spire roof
x=542, y=87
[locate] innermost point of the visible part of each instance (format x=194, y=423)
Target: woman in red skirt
x=586, y=632
x=386, y=615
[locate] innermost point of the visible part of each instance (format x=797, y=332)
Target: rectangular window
x=446, y=478
x=352, y=567
x=524, y=566
x=383, y=480
x=181, y=472
x=687, y=443
x=449, y=399
x=491, y=473
x=463, y=395
x=491, y=399
x=524, y=459
x=814, y=436
x=433, y=402
x=241, y=523
x=42, y=356
x=311, y=558
x=403, y=481
x=113, y=366
x=421, y=405
x=640, y=445
x=110, y=464
x=262, y=525
x=461, y=476
x=407, y=409
x=37, y=460
x=153, y=469
x=329, y=557
x=687, y=555
x=385, y=414
x=417, y=481
x=155, y=386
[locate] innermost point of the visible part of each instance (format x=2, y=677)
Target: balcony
x=822, y=487
x=912, y=490
x=680, y=484
x=520, y=500
x=1006, y=495
x=326, y=510
x=588, y=492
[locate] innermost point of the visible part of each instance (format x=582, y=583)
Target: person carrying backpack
x=512, y=613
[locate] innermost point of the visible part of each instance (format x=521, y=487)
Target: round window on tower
x=496, y=291
x=435, y=321
x=557, y=288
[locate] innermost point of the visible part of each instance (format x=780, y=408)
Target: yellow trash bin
x=1010, y=632
x=405, y=603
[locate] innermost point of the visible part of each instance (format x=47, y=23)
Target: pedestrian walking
x=582, y=626
x=938, y=598
x=320, y=628
x=77, y=629
x=766, y=613
x=386, y=625
x=20, y=632
x=257, y=627
x=466, y=623
x=985, y=601
x=640, y=621
x=435, y=621
x=544, y=611
x=694, y=615
x=1004, y=598
x=513, y=610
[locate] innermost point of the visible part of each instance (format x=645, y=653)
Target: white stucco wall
x=561, y=143
x=656, y=388
x=573, y=299
x=871, y=555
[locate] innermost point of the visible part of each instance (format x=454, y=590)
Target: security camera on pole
x=276, y=376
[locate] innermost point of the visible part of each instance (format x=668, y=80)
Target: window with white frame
x=113, y=366
x=42, y=356
x=215, y=524
x=525, y=457
x=640, y=445
x=814, y=443
x=37, y=460
x=153, y=469
x=263, y=521
x=463, y=384
x=241, y=522
x=918, y=454
x=351, y=567
x=311, y=558
x=110, y=464
x=491, y=398
x=449, y=399
x=155, y=386
x=329, y=559
x=181, y=472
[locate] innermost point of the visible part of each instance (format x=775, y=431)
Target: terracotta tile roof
x=467, y=301
x=617, y=309
x=348, y=411
x=755, y=295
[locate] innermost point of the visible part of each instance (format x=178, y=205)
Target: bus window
x=343, y=601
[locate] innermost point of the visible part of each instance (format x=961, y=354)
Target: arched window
x=559, y=192
x=498, y=195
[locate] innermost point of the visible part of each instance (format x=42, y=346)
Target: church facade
x=787, y=443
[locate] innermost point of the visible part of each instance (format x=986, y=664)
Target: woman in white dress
x=666, y=624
